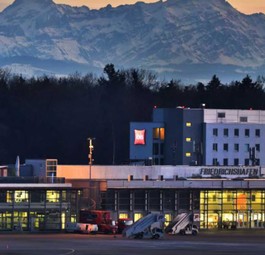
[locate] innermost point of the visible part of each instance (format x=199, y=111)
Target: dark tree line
x=48, y=117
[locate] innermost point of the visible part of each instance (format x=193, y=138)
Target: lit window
x=168, y=218
x=53, y=196
x=159, y=133
x=21, y=196
x=123, y=215
x=137, y=216
x=188, y=139
x=188, y=154
x=188, y=124
x=162, y=133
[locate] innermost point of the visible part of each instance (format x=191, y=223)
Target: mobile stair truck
x=183, y=225
x=150, y=226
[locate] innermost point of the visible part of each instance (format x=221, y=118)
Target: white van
x=84, y=228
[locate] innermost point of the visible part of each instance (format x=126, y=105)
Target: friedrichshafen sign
x=230, y=171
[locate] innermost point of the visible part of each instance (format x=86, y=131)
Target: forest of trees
x=49, y=117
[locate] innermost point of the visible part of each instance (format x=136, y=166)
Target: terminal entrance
x=232, y=209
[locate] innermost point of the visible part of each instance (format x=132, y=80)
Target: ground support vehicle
x=182, y=224
x=84, y=228
x=124, y=223
x=102, y=218
x=190, y=229
x=150, y=226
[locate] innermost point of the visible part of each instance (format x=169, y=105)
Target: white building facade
x=234, y=137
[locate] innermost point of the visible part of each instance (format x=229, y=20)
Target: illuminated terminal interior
x=221, y=208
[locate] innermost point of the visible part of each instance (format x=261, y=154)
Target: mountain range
x=190, y=40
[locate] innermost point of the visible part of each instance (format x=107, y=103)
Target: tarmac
x=243, y=242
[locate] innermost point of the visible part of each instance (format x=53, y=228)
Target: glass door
x=256, y=220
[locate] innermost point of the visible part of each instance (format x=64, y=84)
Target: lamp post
x=90, y=155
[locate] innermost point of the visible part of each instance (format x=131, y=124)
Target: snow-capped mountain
x=175, y=38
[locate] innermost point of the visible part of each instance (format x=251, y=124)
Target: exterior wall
x=43, y=167
x=177, y=150
x=123, y=172
x=242, y=154
x=3, y=171
x=39, y=166
x=143, y=152
x=194, y=132
x=153, y=172
x=233, y=116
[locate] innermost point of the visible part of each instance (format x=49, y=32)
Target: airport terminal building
x=216, y=195
x=236, y=196
x=207, y=162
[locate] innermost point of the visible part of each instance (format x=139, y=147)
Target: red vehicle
x=101, y=218
x=124, y=223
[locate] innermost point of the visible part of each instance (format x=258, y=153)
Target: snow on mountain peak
x=166, y=35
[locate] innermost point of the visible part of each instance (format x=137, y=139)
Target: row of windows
x=150, y=199
x=35, y=196
x=235, y=147
x=235, y=162
x=236, y=132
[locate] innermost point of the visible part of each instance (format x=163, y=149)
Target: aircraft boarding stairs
x=148, y=226
x=180, y=222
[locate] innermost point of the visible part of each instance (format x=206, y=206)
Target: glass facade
x=239, y=208
x=37, y=209
x=215, y=208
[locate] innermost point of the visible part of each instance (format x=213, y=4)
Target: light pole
x=90, y=155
